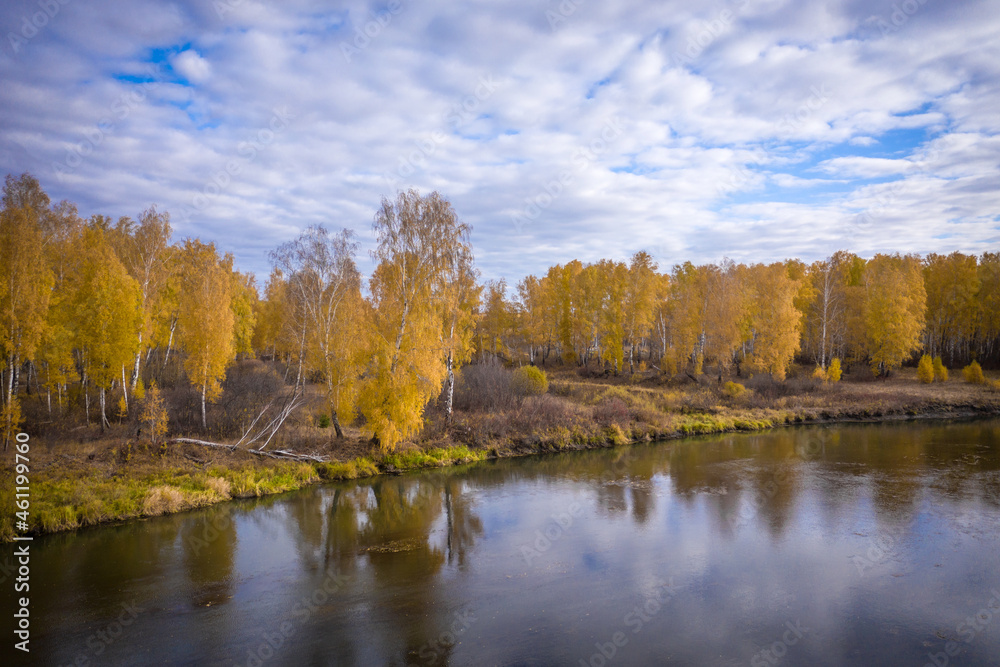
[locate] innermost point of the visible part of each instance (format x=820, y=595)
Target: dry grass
x=163, y=500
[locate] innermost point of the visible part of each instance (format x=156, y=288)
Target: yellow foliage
x=419, y=238
x=243, y=306
x=496, y=325
x=530, y=381
x=774, y=320
x=894, y=309
x=10, y=420
x=106, y=305
x=154, y=414
x=733, y=389
x=973, y=373
x=833, y=371
x=940, y=371
x=205, y=319
x=25, y=281
x=639, y=300
x=925, y=369
x=819, y=374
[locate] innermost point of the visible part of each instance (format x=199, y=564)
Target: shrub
x=530, y=381
x=833, y=372
x=162, y=500
x=250, y=385
x=323, y=421
x=733, y=389
x=611, y=410
x=543, y=412
x=154, y=414
x=819, y=374
x=486, y=386
x=925, y=369
x=940, y=371
x=973, y=373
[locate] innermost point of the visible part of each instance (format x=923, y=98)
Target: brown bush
x=249, y=386
x=611, y=410
x=486, y=386
x=547, y=411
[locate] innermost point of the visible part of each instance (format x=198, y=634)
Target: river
x=856, y=544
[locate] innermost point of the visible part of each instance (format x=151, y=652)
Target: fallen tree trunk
x=276, y=454
x=293, y=401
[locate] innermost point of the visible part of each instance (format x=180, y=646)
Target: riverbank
x=81, y=484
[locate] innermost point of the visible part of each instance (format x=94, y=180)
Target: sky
x=756, y=130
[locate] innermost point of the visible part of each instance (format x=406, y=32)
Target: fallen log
x=276, y=454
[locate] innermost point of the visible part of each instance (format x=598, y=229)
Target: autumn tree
x=165, y=308
x=154, y=414
x=458, y=306
x=106, y=308
x=587, y=299
x=894, y=308
x=775, y=322
x=686, y=314
x=725, y=309
x=537, y=318
x=925, y=369
x=639, y=301
x=562, y=279
x=613, y=287
x=496, y=321
x=853, y=343
x=824, y=322
x=25, y=286
x=940, y=370
x=143, y=249
x=243, y=304
x=987, y=318
x=62, y=234
x=323, y=289
x=419, y=239
x=205, y=319
x=268, y=338
x=952, y=284
x=662, y=332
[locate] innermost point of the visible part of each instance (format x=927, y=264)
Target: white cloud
x=715, y=154
x=865, y=167
x=190, y=65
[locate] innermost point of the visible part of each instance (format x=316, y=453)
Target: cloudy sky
x=753, y=129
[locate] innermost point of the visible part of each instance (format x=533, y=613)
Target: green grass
x=73, y=499
x=252, y=481
x=698, y=424
x=433, y=458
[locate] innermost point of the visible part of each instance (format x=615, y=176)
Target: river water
x=862, y=544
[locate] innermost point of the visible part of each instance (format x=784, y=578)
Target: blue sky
x=572, y=129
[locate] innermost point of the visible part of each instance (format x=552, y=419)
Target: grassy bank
x=99, y=480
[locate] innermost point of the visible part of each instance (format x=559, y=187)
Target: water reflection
x=878, y=537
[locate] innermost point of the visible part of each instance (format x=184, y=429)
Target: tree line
x=93, y=309
x=747, y=319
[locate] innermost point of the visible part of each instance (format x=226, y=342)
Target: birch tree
x=106, y=310
x=324, y=291
x=894, y=310
x=143, y=249
x=419, y=238
x=205, y=319
x=25, y=287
